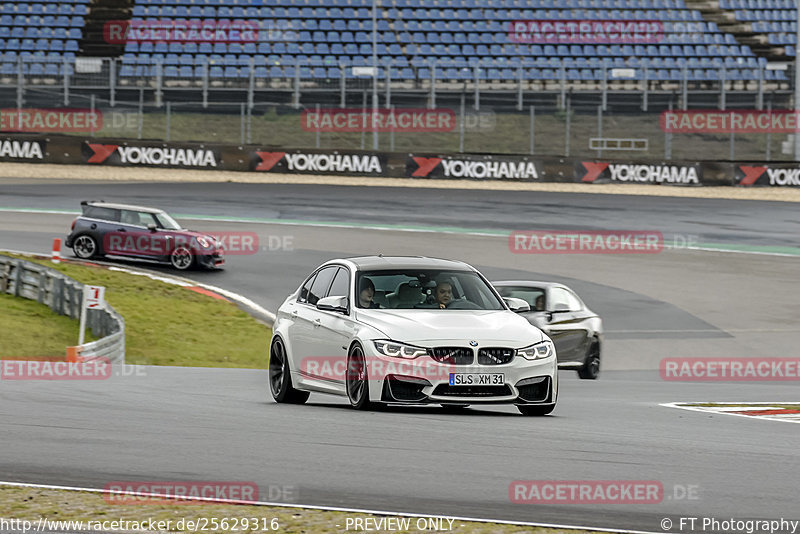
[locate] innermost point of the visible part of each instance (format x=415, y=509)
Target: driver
x=443, y=294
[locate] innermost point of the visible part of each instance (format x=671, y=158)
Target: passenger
x=539, y=303
x=366, y=293
x=443, y=294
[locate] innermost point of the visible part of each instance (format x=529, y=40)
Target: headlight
x=204, y=242
x=539, y=351
x=399, y=350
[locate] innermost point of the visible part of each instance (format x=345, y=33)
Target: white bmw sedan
x=409, y=330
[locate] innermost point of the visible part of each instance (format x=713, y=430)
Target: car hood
x=429, y=328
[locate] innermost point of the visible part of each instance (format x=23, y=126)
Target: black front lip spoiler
x=388, y=398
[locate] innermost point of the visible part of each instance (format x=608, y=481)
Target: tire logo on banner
x=319, y=163
x=590, y=171
x=100, y=152
x=780, y=177
x=485, y=168
x=593, y=171
x=142, y=155
x=425, y=166
x=21, y=149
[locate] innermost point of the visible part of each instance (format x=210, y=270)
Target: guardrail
x=63, y=295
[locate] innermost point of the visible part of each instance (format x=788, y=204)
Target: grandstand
x=417, y=42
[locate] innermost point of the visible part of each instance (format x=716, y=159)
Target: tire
x=357, y=379
x=280, y=379
x=181, y=258
x=591, y=367
x=85, y=247
x=535, y=410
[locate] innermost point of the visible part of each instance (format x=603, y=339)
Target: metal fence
x=523, y=81
x=580, y=129
x=603, y=117
x=64, y=296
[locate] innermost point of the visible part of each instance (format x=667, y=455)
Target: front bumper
x=214, y=260
x=426, y=381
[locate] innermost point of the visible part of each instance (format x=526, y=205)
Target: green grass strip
x=167, y=324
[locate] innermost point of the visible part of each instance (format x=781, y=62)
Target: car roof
x=378, y=263
x=111, y=205
x=526, y=283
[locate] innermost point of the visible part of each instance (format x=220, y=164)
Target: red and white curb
x=787, y=412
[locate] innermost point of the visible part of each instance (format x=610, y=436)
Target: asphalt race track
x=205, y=424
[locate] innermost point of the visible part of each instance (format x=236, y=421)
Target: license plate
x=477, y=379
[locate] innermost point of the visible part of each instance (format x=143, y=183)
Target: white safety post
x=93, y=298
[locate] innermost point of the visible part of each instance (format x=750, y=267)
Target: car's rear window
x=106, y=214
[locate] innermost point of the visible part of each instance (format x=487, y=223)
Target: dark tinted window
x=341, y=284
x=306, y=288
x=321, y=284
x=137, y=218
x=534, y=296
x=106, y=214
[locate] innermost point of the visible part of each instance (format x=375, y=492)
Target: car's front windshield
x=425, y=289
x=167, y=222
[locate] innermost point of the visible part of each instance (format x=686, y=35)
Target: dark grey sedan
x=575, y=329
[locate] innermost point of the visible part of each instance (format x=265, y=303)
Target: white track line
x=329, y=508
x=384, y=228
x=241, y=299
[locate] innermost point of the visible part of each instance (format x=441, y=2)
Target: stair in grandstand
x=743, y=19
x=94, y=42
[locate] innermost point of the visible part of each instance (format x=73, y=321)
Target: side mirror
x=334, y=304
x=152, y=227
x=517, y=305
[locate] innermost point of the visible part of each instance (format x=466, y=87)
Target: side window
x=341, y=284
x=130, y=217
x=563, y=300
x=146, y=218
x=105, y=214
x=321, y=284
x=306, y=288
x=574, y=302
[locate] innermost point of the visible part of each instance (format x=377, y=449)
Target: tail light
x=73, y=224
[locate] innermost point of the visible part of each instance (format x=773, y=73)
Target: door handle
x=121, y=230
